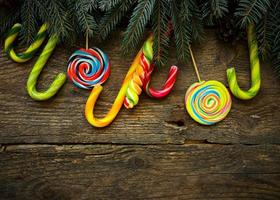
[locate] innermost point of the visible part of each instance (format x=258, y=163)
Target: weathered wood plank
x=140, y=172
x=61, y=119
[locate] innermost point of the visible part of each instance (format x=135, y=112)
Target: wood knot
x=137, y=163
x=176, y=124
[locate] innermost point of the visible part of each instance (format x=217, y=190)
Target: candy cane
x=139, y=75
x=142, y=77
x=134, y=87
x=255, y=70
x=167, y=87
x=40, y=63
x=31, y=50
x=111, y=115
x=35, y=72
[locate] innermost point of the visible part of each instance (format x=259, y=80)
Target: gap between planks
x=3, y=147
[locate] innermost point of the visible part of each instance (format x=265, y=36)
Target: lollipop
x=255, y=71
x=207, y=102
x=88, y=67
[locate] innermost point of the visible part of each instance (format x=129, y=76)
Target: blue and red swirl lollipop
x=88, y=67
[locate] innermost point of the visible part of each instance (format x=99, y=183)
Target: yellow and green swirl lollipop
x=207, y=102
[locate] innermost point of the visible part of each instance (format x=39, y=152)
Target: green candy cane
x=31, y=50
x=255, y=70
x=34, y=74
x=40, y=63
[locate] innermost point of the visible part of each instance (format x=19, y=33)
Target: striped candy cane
x=138, y=76
x=255, y=70
x=142, y=77
x=38, y=67
x=31, y=50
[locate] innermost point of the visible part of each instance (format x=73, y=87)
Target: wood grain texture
x=155, y=151
x=140, y=172
x=61, y=119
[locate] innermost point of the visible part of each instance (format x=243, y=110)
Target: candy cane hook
x=111, y=115
x=139, y=75
x=255, y=70
x=142, y=77
x=166, y=88
x=31, y=50
x=36, y=70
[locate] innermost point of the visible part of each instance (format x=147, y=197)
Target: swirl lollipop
x=207, y=102
x=88, y=67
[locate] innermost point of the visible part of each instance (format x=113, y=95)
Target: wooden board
x=155, y=151
x=140, y=172
x=61, y=119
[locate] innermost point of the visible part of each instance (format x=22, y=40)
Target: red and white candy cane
x=142, y=77
x=167, y=87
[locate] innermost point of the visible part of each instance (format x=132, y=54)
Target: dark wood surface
x=155, y=151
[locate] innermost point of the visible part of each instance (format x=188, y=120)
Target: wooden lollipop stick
x=194, y=64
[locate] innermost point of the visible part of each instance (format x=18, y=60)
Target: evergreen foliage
x=188, y=18
x=140, y=17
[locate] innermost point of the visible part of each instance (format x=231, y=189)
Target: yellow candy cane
x=111, y=115
x=31, y=50
x=255, y=70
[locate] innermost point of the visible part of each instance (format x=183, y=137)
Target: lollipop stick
x=87, y=39
x=194, y=64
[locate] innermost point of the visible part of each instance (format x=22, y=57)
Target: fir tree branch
x=182, y=31
x=214, y=9
x=160, y=31
x=112, y=17
x=106, y=5
x=251, y=11
x=7, y=21
x=274, y=24
x=137, y=23
x=196, y=21
x=86, y=22
x=263, y=37
x=29, y=21
x=58, y=19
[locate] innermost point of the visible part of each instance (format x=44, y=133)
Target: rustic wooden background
x=155, y=151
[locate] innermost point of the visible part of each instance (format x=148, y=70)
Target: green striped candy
x=31, y=50
x=38, y=67
x=255, y=70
